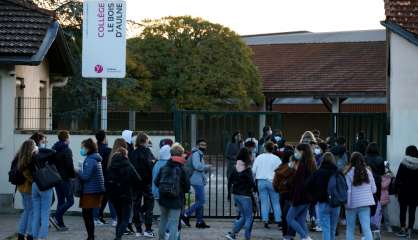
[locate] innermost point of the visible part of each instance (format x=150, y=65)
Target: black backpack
x=169, y=185
x=15, y=176
x=337, y=190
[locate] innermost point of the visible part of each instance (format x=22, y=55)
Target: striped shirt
x=360, y=196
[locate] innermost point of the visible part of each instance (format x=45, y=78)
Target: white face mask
x=42, y=145
x=298, y=155
x=317, y=151
x=35, y=149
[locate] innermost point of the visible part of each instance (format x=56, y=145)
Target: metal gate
x=217, y=128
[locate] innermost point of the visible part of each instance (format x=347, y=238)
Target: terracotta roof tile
x=404, y=13
x=22, y=27
x=322, y=68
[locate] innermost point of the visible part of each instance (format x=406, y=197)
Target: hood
x=119, y=161
x=338, y=150
x=59, y=146
x=177, y=159
x=127, y=135
x=410, y=162
x=95, y=156
x=165, y=152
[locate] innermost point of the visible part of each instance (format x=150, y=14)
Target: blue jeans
x=328, y=218
x=296, y=219
x=41, y=202
x=245, y=207
x=269, y=197
x=169, y=220
x=65, y=197
x=25, y=224
x=96, y=212
x=199, y=191
x=364, y=216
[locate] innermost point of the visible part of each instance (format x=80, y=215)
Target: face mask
x=297, y=156
x=277, y=138
x=317, y=151
x=83, y=152
x=202, y=149
x=42, y=145
x=35, y=149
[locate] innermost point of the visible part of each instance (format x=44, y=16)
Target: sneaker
x=401, y=233
x=114, y=223
x=266, y=226
x=185, y=220
x=149, y=234
x=63, y=228
x=202, y=225
x=138, y=234
x=307, y=238
x=54, y=222
x=318, y=229
x=102, y=220
x=230, y=236
x=98, y=223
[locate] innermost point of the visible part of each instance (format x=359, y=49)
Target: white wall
x=404, y=105
x=75, y=141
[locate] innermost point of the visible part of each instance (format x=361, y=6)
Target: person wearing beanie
x=163, y=159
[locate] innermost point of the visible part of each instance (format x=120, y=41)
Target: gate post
x=193, y=129
x=132, y=120
x=335, y=110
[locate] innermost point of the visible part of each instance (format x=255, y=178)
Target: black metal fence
x=218, y=127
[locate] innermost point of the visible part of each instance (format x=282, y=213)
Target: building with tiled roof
x=402, y=76
x=34, y=58
x=321, y=66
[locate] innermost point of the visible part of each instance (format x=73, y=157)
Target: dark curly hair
x=244, y=155
x=360, y=169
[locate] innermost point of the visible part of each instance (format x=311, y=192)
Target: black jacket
x=377, y=164
x=317, y=184
x=298, y=192
x=178, y=202
x=241, y=183
x=43, y=156
x=64, y=160
x=142, y=158
x=104, y=152
x=406, y=180
x=360, y=146
x=128, y=178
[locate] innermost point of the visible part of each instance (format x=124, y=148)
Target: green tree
x=79, y=97
x=195, y=64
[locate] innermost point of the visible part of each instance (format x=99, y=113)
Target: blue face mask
x=83, y=152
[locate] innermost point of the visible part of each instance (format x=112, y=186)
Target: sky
x=269, y=16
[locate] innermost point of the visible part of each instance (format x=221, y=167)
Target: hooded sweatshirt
x=164, y=157
x=406, y=180
x=64, y=160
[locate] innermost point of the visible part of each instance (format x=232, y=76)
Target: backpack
x=15, y=176
x=169, y=185
x=188, y=166
x=337, y=190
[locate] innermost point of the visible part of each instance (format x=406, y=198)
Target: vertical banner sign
x=104, y=39
x=104, y=44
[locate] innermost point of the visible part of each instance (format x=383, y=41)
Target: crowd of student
x=316, y=178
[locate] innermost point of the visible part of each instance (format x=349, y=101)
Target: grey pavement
x=219, y=227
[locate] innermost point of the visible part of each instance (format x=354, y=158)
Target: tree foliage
x=79, y=97
x=195, y=64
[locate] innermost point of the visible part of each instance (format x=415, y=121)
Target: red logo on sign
x=98, y=68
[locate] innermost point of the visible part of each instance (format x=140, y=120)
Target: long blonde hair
x=307, y=137
x=119, y=143
x=24, y=156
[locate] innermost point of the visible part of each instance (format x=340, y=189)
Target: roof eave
x=396, y=28
x=39, y=56
x=316, y=94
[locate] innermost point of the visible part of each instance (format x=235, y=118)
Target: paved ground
x=219, y=228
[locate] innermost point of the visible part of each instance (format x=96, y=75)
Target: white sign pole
x=104, y=105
